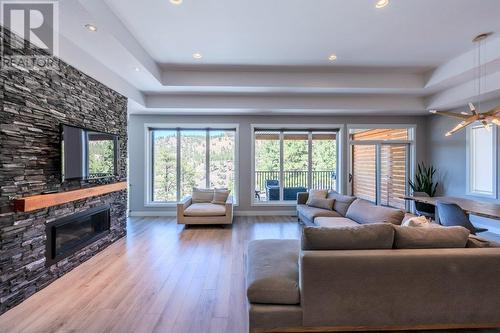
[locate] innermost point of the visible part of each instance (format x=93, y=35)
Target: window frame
x=148, y=158
x=340, y=133
x=412, y=151
x=469, y=168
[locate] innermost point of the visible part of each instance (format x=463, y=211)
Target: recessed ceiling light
x=433, y=111
x=381, y=3
x=176, y=2
x=197, y=55
x=332, y=57
x=91, y=27
x=137, y=69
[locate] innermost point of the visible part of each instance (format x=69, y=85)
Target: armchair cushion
x=205, y=209
x=202, y=195
x=220, y=197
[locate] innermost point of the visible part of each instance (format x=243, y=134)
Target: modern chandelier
x=475, y=114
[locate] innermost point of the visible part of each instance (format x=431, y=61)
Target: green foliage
x=424, y=180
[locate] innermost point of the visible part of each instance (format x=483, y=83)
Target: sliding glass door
x=380, y=165
x=287, y=162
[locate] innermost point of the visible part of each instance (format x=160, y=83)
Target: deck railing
x=319, y=179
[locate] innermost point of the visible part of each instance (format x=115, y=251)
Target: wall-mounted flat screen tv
x=88, y=154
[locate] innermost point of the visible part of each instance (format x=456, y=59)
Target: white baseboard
x=265, y=213
x=153, y=213
x=172, y=213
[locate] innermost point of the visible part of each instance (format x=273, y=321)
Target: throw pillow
x=321, y=203
x=318, y=193
x=416, y=221
x=220, y=197
x=342, y=202
x=201, y=195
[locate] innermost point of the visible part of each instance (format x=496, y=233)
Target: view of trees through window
x=196, y=166
x=308, y=160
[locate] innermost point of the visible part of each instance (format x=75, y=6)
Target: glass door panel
x=324, y=161
x=267, y=165
x=393, y=174
x=364, y=172
x=295, y=164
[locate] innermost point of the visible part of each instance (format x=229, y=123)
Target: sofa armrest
x=302, y=198
x=229, y=206
x=183, y=205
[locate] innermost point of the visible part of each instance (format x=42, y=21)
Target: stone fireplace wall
x=33, y=104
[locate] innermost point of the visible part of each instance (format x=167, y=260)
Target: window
x=481, y=160
x=183, y=158
x=288, y=161
x=380, y=164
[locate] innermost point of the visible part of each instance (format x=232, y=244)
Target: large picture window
x=288, y=161
x=183, y=158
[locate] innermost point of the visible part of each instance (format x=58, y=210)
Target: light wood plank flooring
x=160, y=278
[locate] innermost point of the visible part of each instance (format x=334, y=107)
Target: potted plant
x=424, y=182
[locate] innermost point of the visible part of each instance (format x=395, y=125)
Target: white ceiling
x=305, y=32
x=271, y=56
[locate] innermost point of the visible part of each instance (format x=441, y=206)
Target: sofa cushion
x=430, y=238
x=361, y=237
x=205, y=209
x=335, y=222
x=311, y=213
x=273, y=272
x=365, y=212
x=202, y=195
x=342, y=202
x=320, y=203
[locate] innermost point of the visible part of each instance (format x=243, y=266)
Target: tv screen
x=88, y=154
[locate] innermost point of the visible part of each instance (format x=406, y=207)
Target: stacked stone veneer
x=33, y=104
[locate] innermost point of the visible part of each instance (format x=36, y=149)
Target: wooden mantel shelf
x=35, y=202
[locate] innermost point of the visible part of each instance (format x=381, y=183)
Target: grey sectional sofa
x=373, y=277
x=347, y=211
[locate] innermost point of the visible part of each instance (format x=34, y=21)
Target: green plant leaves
x=424, y=180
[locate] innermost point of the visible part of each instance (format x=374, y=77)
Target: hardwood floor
x=160, y=278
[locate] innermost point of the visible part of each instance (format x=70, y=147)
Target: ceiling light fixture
x=381, y=4
x=332, y=57
x=475, y=114
x=197, y=55
x=137, y=69
x=176, y=2
x=91, y=27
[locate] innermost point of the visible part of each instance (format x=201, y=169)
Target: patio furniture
x=289, y=193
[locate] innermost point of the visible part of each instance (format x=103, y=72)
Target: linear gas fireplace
x=71, y=233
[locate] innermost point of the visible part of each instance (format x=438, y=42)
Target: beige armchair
x=204, y=212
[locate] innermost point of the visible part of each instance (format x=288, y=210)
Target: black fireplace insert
x=71, y=233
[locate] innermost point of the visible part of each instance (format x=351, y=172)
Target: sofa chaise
x=373, y=277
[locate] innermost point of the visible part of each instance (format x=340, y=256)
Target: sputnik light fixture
x=474, y=114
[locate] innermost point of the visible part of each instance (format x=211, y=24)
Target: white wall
x=448, y=155
x=137, y=146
